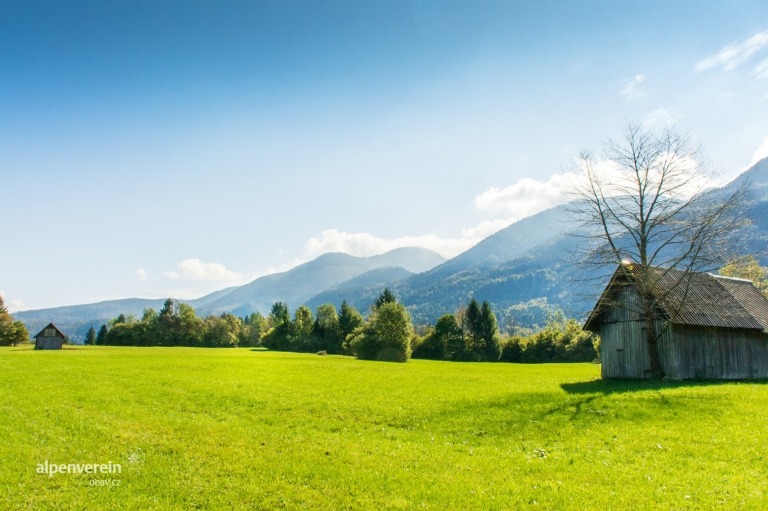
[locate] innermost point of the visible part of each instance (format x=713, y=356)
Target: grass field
x=246, y=429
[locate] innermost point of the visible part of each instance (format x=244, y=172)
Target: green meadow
x=249, y=429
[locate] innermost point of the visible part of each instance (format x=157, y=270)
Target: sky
x=173, y=148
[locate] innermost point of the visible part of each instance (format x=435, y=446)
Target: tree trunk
x=652, y=340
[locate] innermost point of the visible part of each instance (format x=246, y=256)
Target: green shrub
x=560, y=341
x=386, y=336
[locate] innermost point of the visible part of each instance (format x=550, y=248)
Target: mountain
x=755, y=236
x=509, y=243
x=361, y=291
x=525, y=269
x=522, y=270
x=297, y=286
x=294, y=287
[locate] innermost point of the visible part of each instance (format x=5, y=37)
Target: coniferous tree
x=101, y=337
x=279, y=334
x=167, y=324
x=349, y=321
x=472, y=325
x=489, y=333
x=386, y=296
x=90, y=337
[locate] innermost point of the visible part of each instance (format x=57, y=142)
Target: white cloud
x=632, y=89
x=195, y=269
x=485, y=229
x=142, y=274
x=733, y=55
x=760, y=153
x=527, y=196
x=522, y=199
x=364, y=244
x=760, y=71
x=660, y=118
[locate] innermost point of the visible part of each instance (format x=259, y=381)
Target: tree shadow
x=574, y=408
x=616, y=386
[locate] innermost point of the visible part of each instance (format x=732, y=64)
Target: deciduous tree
x=327, y=329
x=748, y=268
x=646, y=202
x=386, y=335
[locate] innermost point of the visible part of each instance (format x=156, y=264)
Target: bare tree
x=648, y=207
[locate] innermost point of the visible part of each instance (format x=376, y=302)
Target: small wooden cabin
x=50, y=338
x=708, y=327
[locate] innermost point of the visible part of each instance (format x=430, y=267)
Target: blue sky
x=153, y=149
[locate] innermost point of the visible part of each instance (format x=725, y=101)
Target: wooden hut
x=50, y=338
x=707, y=326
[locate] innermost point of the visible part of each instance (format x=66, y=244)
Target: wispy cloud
x=511, y=203
x=142, y=274
x=486, y=228
x=660, y=118
x=195, y=269
x=632, y=89
x=736, y=54
x=760, y=153
x=760, y=71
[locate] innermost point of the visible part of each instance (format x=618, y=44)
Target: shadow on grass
x=621, y=386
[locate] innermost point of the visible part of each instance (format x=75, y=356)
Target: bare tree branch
x=648, y=202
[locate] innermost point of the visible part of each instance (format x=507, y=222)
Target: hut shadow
x=601, y=386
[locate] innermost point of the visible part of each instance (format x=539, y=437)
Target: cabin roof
x=695, y=298
x=51, y=325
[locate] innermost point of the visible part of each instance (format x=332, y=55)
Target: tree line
x=387, y=333
x=177, y=324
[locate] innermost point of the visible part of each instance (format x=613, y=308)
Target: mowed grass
x=245, y=429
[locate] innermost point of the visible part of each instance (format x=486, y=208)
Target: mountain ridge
x=522, y=270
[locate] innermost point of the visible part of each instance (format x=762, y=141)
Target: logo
x=135, y=459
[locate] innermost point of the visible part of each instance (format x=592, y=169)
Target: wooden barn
x=708, y=327
x=50, y=338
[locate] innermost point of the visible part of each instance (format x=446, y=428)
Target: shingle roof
x=702, y=299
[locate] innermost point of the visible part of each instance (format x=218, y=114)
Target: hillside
x=295, y=286
x=361, y=291
x=328, y=271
